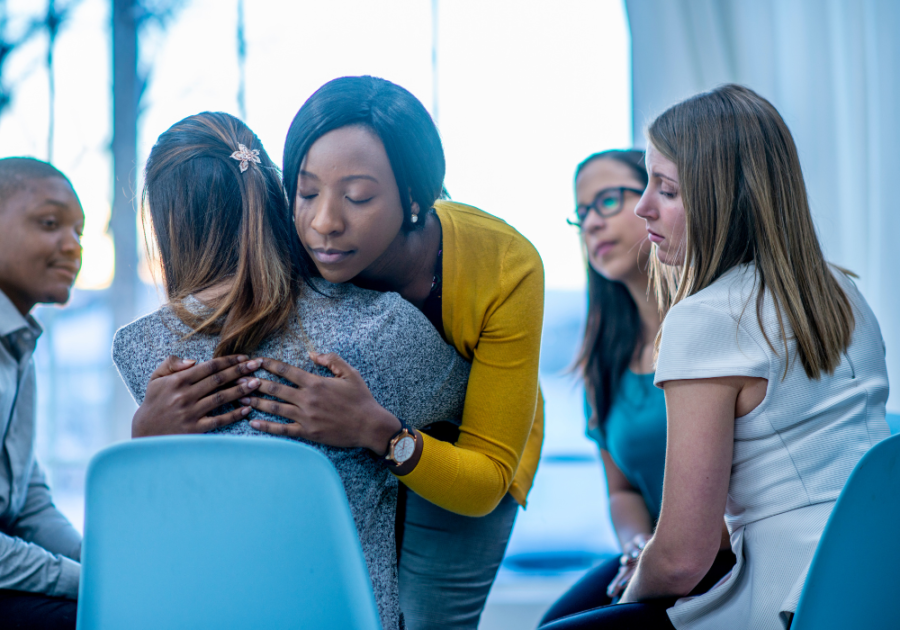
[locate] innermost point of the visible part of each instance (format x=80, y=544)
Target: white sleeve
x=700, y=341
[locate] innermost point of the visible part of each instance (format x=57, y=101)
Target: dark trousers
x=33, y=611
x=586, y=605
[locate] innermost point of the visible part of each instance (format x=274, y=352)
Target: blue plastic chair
x=222, y=533
x=852, y=581
x=893, y=420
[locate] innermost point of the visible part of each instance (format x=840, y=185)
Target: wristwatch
x=402, y=446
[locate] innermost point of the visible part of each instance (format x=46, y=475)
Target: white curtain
x=832, y=68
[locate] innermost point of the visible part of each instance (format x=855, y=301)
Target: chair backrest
x=852, y=581
x=893, y=420
x=219, y=532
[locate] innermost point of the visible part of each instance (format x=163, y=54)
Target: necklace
x=438, y=270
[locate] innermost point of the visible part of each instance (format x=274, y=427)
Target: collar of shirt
x=21, y=333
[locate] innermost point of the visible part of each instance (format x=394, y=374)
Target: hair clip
x=245, y=156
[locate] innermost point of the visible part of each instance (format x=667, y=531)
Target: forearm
x=459, y=480
x=630, y=516
x=25, y=566
x=662, y=573
x=40, y=522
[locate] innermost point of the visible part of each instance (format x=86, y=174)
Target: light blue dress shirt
x=39, y=548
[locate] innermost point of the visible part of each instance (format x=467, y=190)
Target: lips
x=654, y=237
x=66, y=268
x=603, y=247
x=331, y=256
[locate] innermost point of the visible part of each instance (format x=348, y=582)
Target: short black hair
x=16, y=171
x=410, y=137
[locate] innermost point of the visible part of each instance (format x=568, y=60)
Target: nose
x=327, y=216
x=593, y=222
x=70, y=245
x=645, y=208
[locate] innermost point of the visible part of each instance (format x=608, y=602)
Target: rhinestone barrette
x=245, y=156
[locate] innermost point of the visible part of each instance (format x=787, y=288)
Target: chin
x=611, y=271
x=336, y=276
x=668, y=259
x=59, y=296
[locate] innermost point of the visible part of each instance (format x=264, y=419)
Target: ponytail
x=217, y=217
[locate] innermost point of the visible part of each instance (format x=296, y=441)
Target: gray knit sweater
x=411, y=372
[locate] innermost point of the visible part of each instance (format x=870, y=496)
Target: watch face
x=404, y=449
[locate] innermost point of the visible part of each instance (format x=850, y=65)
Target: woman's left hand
x=339, y=411
x=631, y=553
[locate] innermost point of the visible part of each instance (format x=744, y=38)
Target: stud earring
x=415, y=218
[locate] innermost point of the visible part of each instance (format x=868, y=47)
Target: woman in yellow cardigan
x=364, y=170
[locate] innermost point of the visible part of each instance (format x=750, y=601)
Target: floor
x=519, y=602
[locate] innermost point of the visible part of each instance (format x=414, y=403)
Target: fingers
x=291, y=429
x=273, y=407
x=284, y=392
x=171, y=365
x=333, y=362
x=618, y=583
x=219, y=379
x=208, y=423
x=300, y=378
x=213, y=367
x=223, y=396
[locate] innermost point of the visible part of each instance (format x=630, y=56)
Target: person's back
x=409, y=370
x=40, y=255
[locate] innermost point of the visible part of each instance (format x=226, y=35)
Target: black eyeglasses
x=607, y=203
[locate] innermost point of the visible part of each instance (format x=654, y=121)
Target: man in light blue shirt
x=41, y=221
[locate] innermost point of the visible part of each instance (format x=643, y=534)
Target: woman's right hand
x=631, y=551
x=182, y=393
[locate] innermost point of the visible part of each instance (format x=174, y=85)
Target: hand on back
x=181, y=395
x=339, y=411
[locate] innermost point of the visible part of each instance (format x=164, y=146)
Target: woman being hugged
x=364, y=171
x=237, y=284
x=772, y=365
x=627, y=413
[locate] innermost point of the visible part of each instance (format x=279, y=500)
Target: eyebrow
x=661, y=176
x=343, y=179
x=58, y=205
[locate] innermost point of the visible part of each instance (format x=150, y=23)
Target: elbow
x=479, y=511
x=683, y=570
x=491, y=495
x=483, y=507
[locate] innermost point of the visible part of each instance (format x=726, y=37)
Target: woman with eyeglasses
x=627, y=414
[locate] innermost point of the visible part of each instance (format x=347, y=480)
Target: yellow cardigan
x=493, y=309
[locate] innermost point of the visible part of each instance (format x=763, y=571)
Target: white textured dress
x=792, y=454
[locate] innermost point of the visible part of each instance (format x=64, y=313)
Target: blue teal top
x=635, y=436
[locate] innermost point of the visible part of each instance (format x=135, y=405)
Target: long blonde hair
x=745, y=201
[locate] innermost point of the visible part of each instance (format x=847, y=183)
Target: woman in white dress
x=772, y=365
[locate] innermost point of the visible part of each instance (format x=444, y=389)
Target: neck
x=407, y=267
x=648, y=311
x=209, y=296
x=21, y=303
